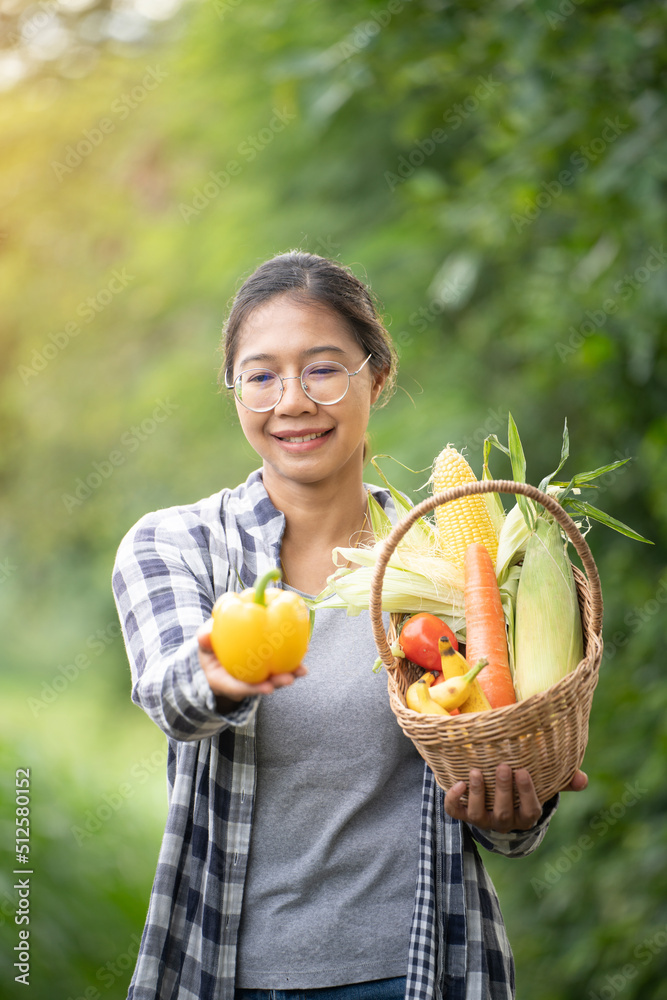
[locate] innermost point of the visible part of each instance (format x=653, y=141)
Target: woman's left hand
x=503, y=816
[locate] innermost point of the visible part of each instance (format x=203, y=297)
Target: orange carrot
x=485, y=627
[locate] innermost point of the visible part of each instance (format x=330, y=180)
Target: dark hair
x=309, y=278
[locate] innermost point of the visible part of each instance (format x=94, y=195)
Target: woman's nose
x=294, y=400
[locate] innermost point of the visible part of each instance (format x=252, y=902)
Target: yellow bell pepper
x=260, y=631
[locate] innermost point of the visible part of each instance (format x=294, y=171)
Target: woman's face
x=285, y=335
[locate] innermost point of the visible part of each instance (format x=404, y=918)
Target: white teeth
x=306, y=437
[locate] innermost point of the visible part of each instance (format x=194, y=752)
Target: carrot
x=485, y=627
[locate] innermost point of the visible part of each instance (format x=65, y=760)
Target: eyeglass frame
x=286, y=378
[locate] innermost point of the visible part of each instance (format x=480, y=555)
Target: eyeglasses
x=325, y=382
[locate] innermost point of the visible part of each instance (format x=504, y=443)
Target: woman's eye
x=261, y=378
x=322, y=371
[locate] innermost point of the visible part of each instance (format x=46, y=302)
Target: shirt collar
x=261, y=525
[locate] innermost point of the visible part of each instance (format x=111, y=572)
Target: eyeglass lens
x=323, y=382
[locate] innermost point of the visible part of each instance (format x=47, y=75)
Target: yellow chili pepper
x=260, y=631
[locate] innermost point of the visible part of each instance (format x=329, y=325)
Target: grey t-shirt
x=334, y=851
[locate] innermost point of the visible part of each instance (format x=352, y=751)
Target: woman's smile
x=297, y=441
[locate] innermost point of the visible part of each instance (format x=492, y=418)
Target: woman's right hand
x=227, y=689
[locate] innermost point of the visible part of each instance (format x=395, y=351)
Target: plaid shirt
x=170, y=568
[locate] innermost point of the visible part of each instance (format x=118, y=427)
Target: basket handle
x=455, y=493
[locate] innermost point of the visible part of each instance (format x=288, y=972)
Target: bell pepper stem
x=263, y=582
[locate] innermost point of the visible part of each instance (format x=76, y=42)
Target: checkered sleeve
x=517, y=843
x=163, y=588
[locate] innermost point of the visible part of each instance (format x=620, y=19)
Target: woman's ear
x=378, y=385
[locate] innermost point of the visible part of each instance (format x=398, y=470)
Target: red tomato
x=419, y=640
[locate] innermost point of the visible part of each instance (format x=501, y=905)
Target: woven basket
x=546, y=733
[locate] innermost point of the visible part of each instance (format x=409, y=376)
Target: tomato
x=419, y=640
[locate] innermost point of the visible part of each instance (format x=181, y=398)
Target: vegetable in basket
x=454, y=665
x=419, y=640
x=485, y=626
x=425, y=572
x=469, y=519
x=535, y=574
x=548, y=639
x=418, y=577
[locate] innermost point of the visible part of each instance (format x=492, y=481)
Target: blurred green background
x=497, y=172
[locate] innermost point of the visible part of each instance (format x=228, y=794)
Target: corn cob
x=463, y=521
x=548, y=641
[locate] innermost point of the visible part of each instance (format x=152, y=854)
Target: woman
x=307, y=847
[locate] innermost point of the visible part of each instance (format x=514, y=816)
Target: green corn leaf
x=518, y=460
x=493, y=501
x=564, y=455
x=581, y=507
x=492, y=442
x=517, y=456
x=402, y=505
x=512, y=540
x=582, y=479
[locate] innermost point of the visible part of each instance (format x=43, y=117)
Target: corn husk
x=508, y=591
x=417, y=578
x=548, y=640
x=512, y=541
x=402, y=593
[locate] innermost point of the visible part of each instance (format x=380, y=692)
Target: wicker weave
x=546, y=733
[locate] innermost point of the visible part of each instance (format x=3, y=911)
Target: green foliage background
x=497, y=172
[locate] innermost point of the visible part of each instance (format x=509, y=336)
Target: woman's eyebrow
x=273, y=358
